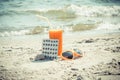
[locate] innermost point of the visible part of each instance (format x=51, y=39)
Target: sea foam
x=83, y=10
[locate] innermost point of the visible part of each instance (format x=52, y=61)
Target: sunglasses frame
x=75, y=55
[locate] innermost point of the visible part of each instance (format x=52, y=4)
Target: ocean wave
x=14, y=33
x=71, y=28
x=94, y=10
x=35, y=30
x=108, y=26
x=70, y=11
x=74, y=10
x=83, y=27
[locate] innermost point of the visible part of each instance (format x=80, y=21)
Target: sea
x=37, y=17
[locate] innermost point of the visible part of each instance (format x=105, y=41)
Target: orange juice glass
x=57, y=34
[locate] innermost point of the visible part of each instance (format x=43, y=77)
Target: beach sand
x=101, y=60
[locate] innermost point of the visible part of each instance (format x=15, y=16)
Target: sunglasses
x=70, y=55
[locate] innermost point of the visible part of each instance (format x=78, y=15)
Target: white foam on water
x=33, y=31
x=108, y=26
x=94, y=10
x=14, y=33
x=102, y=26
x=83, y=10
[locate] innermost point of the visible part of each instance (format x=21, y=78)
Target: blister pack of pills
x=50, y=48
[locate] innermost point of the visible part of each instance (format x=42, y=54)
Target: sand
x=101, y=60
